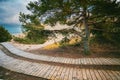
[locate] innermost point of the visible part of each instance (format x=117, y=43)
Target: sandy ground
x=73, y=52
x=28, y=47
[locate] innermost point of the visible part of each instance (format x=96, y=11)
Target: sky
x=9, y=10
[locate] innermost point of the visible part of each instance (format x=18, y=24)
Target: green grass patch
x=29, y=41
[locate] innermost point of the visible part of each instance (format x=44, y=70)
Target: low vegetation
x=33, y=37
x=4, y=35
x=28, y=41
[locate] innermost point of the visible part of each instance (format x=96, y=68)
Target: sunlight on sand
x=52, y=46
x=57, y=45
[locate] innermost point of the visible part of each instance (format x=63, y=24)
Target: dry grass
x=52, y=46
x=57, y=45
x=97, y=50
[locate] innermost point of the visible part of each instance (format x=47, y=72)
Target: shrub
x=4, y=35
x=35, y=36
x=29, y=41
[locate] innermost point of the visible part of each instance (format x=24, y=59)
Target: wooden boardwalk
x=58, y=72
x=78, y=61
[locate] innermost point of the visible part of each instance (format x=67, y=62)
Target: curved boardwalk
x=79, y=61
x=56, y=72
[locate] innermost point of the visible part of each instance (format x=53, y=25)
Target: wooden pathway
x=57, y=72
x=79, y=61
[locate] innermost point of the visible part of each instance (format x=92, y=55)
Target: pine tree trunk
x=86, y=38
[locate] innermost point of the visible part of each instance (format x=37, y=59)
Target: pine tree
x=77, y=13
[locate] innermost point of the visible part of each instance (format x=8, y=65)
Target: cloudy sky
x=9, y=10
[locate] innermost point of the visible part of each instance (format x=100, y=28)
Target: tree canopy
x=96, y=16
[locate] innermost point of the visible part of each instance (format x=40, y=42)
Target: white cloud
x=14, y=19
x=9, y=10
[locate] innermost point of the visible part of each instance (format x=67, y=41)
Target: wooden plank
x=41, y=67
x=79, y=61
x=55, y=60
x=97, y=75
x=52, y=72
x=96, y=61
x=117, y=74
x=60, y=73
x=68, y=61
x=70, y=73
x=74, y=75
x=93, y=74
x=66, y=73
x=49, y=71
x=87, y=61
x=90, y=61
x=88, y=74
x=84, y=63
x=108, y=61
x=51, y=59
x=63, y=74
x=56, y=73
x=99, y=61
x=73, y=61
x=22, y=66
x=37, y=70
x=60, y=60
x=93, y=60
x=84, y=75
x=63, y=59
x=76, y=61
x=45, y=70
x=103, y=61
x=80, y=74
x=111, y=62
x=30, y=69
x=106, y=75
x=116, y=61
x=13, y=65
x=113, y=76
x=34, y=69
x=102, y=75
